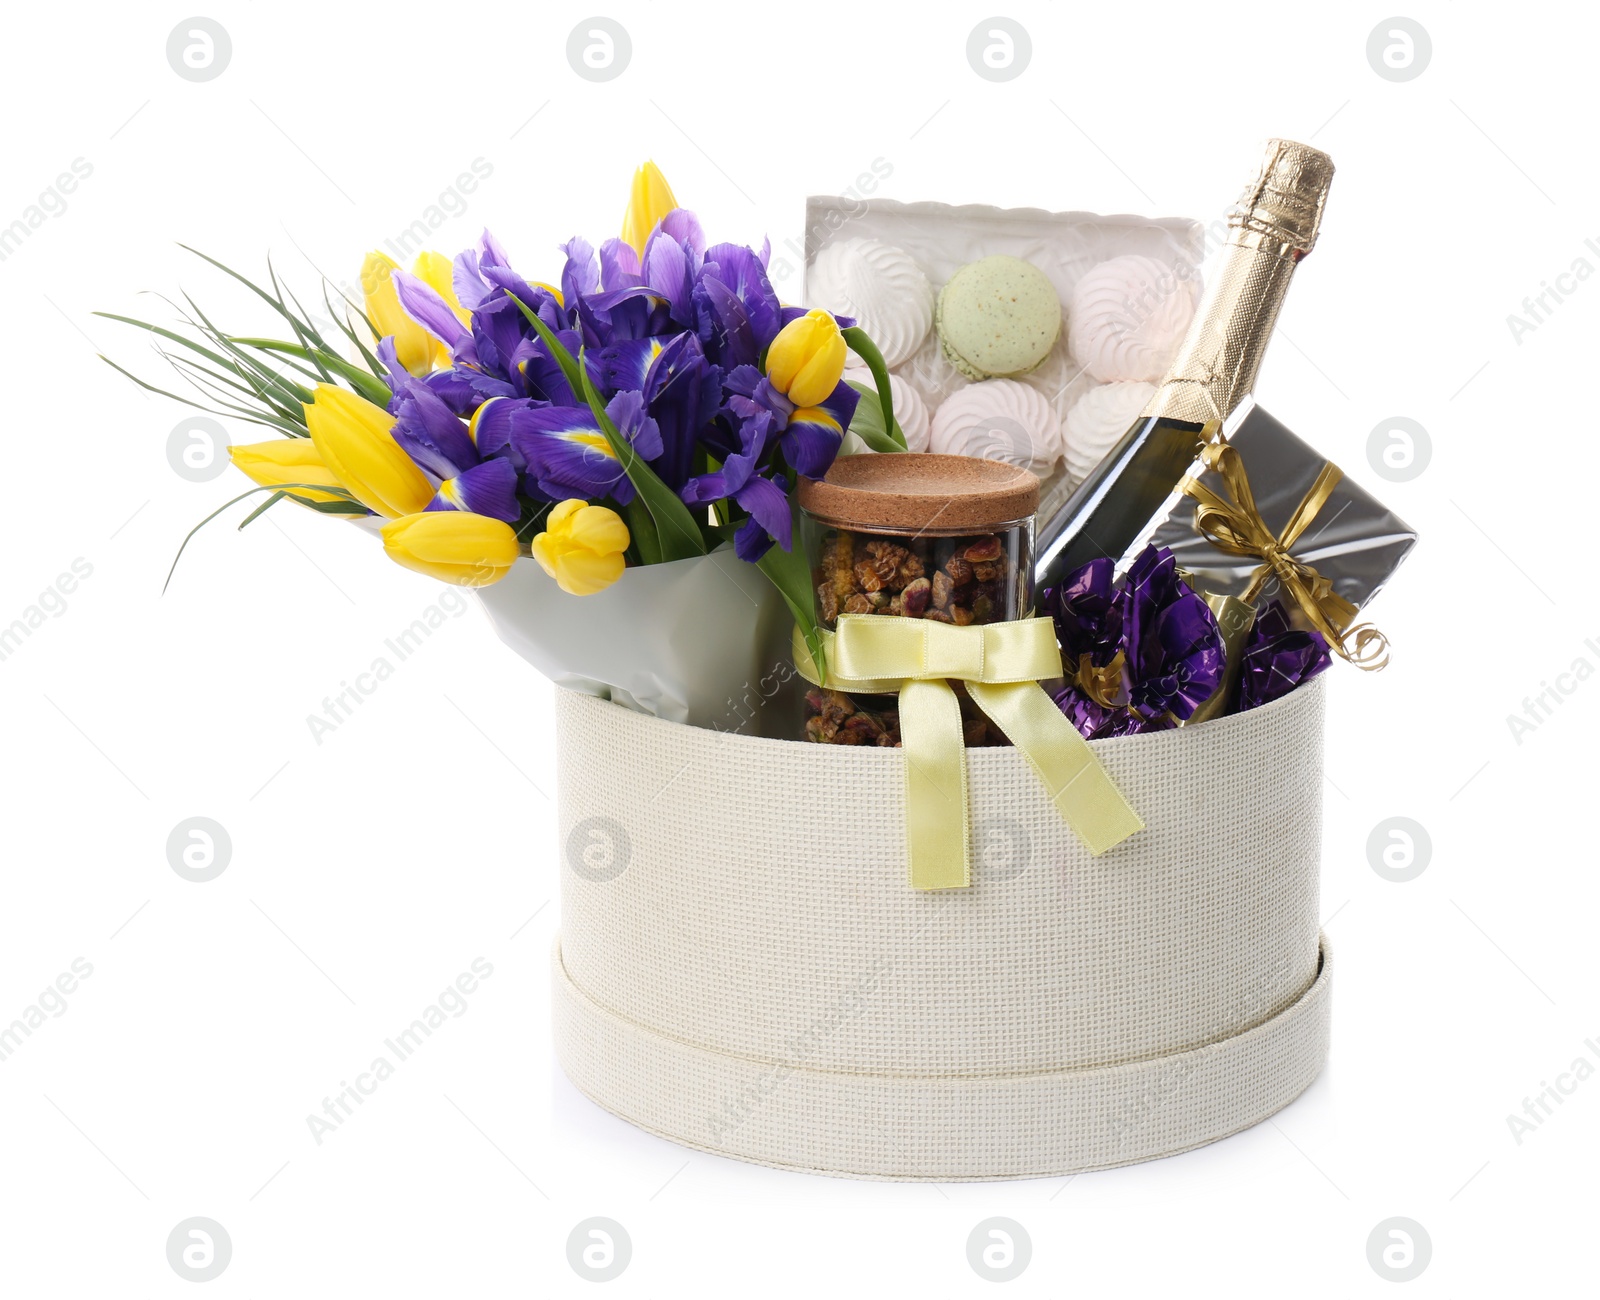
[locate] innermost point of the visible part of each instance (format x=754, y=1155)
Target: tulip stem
x=867, y=350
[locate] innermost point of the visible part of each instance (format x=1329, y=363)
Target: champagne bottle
x=1126, y=496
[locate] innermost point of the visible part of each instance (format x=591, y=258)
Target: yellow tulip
x=648, y=201
x=806, y=361
x=414, y=347
x=354, y=440
x=285, y=460
x=453, y=546
x=582, y=546
x=438, y=272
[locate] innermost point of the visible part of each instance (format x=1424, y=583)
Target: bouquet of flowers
x=652, y=403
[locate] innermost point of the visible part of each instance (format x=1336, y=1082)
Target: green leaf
x=790, y=573
x=867, y=350
x=217, y=357
x=302, y=327
x=642, y=528
x=345, y=328
x=867, y=423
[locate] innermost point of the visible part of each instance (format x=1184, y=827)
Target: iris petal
x=581, y=275
x=423, y=304
x=628, y=414
x=487, y=489
x=432, y=434
x=626, y=363
x=811, y=441
x=568, y=455
x=769, y=507
x=751, y=542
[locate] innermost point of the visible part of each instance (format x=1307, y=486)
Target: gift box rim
x=1308, y=1013
x=1214, y=727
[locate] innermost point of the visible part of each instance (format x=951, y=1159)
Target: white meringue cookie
x=910, y=412
x=999, y=419
x=1127, y=317
x=1097, y=422
x=881, y=287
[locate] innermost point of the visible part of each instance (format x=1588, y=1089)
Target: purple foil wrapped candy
x=1086, y=616
x=1141, y=655
x=1277, y=658
x=1175, y=656
x=1096, y=721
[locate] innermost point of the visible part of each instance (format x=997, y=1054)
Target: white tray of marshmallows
x=1009, y=333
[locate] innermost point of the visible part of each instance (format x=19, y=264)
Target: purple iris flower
x=737, y=314
x=497, y=354
x=765, y=499
x=683, y=393
x=808, y=437
x=441, y=446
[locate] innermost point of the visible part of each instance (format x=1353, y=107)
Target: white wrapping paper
x=695, y=641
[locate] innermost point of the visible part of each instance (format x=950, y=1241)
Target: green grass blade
x=239, y=412
x=369, y=386
x=262, y=509
x=279, y=488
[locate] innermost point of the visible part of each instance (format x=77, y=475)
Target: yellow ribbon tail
x=1080, y=788
x=937, y=828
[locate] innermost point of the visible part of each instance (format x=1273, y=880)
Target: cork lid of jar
x=919, y=492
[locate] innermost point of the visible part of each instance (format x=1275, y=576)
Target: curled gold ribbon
x=1236, y=527
x=1002, y=665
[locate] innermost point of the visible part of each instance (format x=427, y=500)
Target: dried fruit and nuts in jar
x=946, y=538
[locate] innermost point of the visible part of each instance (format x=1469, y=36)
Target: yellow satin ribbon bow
x=1002, y=665
x=1236, y=527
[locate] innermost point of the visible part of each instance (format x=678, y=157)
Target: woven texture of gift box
x=743, y=967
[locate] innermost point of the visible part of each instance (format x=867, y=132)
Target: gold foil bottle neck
x=1273, y=226
x=1285, y=200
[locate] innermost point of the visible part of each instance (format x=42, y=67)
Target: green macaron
x=997, y=317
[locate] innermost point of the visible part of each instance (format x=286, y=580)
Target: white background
x=370, y=870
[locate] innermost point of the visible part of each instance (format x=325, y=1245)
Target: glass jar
x=912, y=535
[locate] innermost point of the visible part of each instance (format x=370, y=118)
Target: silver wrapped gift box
x=1355, y=541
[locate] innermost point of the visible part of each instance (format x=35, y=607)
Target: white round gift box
x=744, y=968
